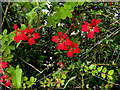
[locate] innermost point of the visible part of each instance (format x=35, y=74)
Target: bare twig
x=5, y=13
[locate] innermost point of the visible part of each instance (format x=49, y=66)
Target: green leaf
x=32, y=79
x=8, y=50
x=103, y=75
x=92, y=66
x=5, y=32
x=100, y=68
x=10, y=56
x=93, y=73
x=111, y=72
x=12, y=47
x=24, y=78
x=104, y=70
x=23, y=26
x=63, y=76
x=17, y=75
x=41, y=82
x=81, y=3
x=110, y=77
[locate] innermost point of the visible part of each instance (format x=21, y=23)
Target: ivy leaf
x=111, y=72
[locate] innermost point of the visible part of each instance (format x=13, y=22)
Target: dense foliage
x=60, y=45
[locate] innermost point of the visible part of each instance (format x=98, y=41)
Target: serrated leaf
x=111, y=72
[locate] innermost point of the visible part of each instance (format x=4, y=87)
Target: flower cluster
x=90, y=28
x=25, y=35
x=5, y=78
x=64, y=43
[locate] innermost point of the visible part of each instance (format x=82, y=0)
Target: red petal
x=85, y=27
x=93, y=20
x=17, y=39
x=55, y=39
x=3, y=64
x=97, y=21
x=96, y=29
x=31, y=41
x=7, y=84
x=64, y=36
x=75, y=45
x=27, y=30
x=90, y=34
x=110, y=3
x=15, y=26
x=0, y=71
x=68, y=42
x=77, y=50
x=61, y=46
x=23, y=36
x=31, y=30
x=69, y=53
x=60, y=34
x=35, y=35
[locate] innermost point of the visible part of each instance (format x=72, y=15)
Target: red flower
x=15, y=26
x=20, y=35
x=90, y=28
x=3, y=64
x=6, y=80
x=60, y=39
x=110, y=3
x=31, y=37
x=71, y=48
x=7, y=84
